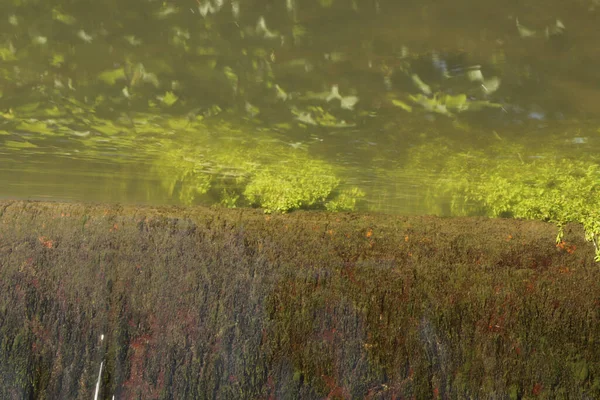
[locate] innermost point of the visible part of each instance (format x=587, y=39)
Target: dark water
x=186, y=102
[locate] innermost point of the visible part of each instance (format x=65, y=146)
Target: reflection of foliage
x=446, y=104
x=293, y=183
x=555, y=190
x=135, y=66
x=318, y=116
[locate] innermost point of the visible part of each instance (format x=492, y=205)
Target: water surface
x=190, y=102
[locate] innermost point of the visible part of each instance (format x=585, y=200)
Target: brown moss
x=200, y=302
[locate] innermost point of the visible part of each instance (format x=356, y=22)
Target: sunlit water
x=138, y=101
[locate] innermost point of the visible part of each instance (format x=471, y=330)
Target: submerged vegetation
x=208, y=160
x=559, y=191
x=258, y=169
x=515, y=183
x=244, y=105
x=291, y=184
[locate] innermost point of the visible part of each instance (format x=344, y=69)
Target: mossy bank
x=232, y=303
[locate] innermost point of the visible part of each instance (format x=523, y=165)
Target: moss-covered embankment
x=217, y=303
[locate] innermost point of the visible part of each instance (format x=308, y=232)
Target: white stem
x=98, y=383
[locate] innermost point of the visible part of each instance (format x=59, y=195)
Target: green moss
x=293, y=183
x=313, y=305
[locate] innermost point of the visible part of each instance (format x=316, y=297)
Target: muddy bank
x=218, y=303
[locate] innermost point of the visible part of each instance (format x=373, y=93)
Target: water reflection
x=193, y=101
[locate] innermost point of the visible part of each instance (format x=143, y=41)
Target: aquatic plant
x=293, y=183
x=544, y=188
x=221, y=161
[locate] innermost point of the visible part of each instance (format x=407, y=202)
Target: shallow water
x=145, y=102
